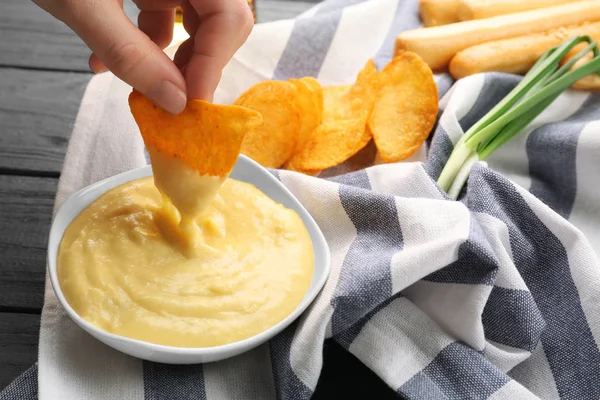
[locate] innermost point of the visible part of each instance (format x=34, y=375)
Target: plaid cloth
x=495, y=296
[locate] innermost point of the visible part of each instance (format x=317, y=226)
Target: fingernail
x=168, y=96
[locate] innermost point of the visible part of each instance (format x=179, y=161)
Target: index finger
x=224, y=25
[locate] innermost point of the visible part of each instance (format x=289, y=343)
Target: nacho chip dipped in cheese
x=192, y=153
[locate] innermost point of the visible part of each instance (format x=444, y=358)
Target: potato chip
x=205, y=136
x=310, y=104
x=312, y=83
x=343, y=130
x=405, y=109
x=274, y=142
x=361, y=160
x=333, y=92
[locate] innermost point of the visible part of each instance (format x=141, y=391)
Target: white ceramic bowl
x=245, y=170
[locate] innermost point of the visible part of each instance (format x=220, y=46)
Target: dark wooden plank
x=37, y=112
x=18, y=344
x=25, y=214
x=30, y=37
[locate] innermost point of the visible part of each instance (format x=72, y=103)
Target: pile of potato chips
x=309, y=128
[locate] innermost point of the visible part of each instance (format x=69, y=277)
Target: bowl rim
x=236, y=347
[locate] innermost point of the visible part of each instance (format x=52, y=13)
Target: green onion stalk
x=544, y=82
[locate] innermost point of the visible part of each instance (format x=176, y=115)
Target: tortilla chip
x=205, y=136
x=274, y=142
x=405, y=109
x=343, y=130
x=310, y=104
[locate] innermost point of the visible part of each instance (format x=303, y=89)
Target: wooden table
x=43, y=73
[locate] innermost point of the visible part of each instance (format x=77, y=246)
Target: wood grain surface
x=26, y=204
x=37, y=112
x=18, y=344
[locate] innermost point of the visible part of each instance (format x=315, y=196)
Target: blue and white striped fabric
x=496, y=296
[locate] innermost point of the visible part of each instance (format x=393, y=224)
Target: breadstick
x=477, y=9
x=515, y=55
x=438, y=12
x=590, y=82
x=437, y=45
x=578, y=49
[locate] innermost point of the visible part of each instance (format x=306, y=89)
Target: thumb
x=129, y=54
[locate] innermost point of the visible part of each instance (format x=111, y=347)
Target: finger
x=190, y=18
x=129, y=53
x=156, y=5
x=223, y=27
x=184, y=52
x=158, y=25
x=190, y=24
x=96, y=65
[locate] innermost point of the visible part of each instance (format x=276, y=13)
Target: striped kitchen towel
x=495, y=296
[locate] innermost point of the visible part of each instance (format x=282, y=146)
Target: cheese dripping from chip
x=191, y=154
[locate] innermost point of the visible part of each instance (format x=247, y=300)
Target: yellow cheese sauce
x=124, y=265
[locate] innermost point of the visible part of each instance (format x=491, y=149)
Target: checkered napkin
x=496, y=296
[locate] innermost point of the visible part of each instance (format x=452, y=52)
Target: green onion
x=544, y=82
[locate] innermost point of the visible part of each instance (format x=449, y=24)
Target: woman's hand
x=217, y=28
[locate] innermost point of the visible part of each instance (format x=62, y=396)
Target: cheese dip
x=126, y=265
